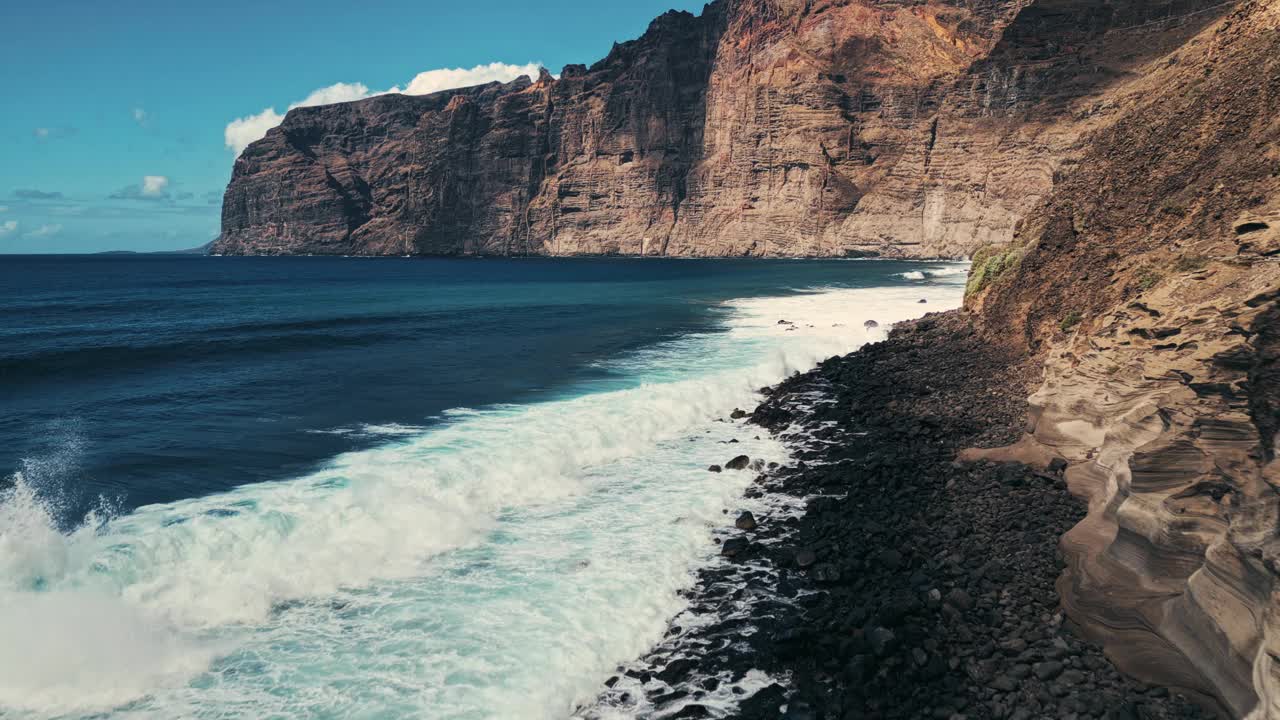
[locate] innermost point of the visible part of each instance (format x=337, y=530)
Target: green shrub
x=1147, y=277
x=1072, y=319
x=989, y=263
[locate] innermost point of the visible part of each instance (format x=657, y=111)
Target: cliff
x=761, y=128
x=1147, y=284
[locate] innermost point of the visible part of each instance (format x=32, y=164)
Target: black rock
x=714, y=468
x=805, y=558
x=739, y=463
x=733, y=547
x=1047, y=670
x=890, y=559
x=959, y=599
x=676, y=670
x=882, y=641
x=1004, y=683
x=745, y=521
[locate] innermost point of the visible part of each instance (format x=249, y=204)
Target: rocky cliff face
x=1148, y=282
x=761, y=127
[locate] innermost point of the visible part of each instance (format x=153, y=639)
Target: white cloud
x=154, y=185
x=436, y=80
x=53, y=133
x=8, y=228
x=240, y=132
x=44, y=231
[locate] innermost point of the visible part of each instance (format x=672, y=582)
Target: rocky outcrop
x=1148, y=283
x=761, y=127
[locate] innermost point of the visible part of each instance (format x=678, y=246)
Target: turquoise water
x=491, y=482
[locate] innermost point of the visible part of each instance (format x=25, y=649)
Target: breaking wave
x=461, y=567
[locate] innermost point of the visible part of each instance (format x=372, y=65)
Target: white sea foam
x=496, y=565
x=947, y=271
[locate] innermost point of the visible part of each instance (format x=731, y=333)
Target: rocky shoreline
x=888, y=580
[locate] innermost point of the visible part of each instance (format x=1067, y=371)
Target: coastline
x=889, y=580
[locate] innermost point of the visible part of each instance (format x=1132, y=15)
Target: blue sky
x=114, y=133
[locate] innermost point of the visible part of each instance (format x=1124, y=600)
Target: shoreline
x=889, y=580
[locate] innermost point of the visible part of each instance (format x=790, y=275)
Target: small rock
x=1071, y=677
x=1047, y=670
x=870, y=324
x=1004, y=683
x=959, y=599
x=859, y=668
x=882, y=641
x=826, y=573
x=733, y=547
x=745, y=521
x=739, y=463
x=714, y=468
x=891, y=559
x=805, y=558
x=923, y=301
x=737, y=414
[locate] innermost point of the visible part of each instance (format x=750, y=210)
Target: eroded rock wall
x=1148, y=282
x=761, y=128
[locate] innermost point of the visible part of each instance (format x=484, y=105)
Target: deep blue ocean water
x=340, y=487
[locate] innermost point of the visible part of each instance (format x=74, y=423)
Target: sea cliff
x=758, y=128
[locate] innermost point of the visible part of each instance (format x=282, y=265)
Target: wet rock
x=738, y=463
x=714, y=468
x=737, y=414
x=805, y=558
x=734, y=547
x=745, y=521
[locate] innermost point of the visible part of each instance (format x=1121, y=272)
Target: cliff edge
x=759, y=128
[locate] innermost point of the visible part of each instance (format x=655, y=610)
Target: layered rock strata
x=1148, y=284
x=761, y=128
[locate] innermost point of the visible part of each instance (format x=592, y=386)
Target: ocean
x=382, y=488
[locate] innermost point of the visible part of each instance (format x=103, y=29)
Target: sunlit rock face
x=1148, y=285
x=760, y=128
